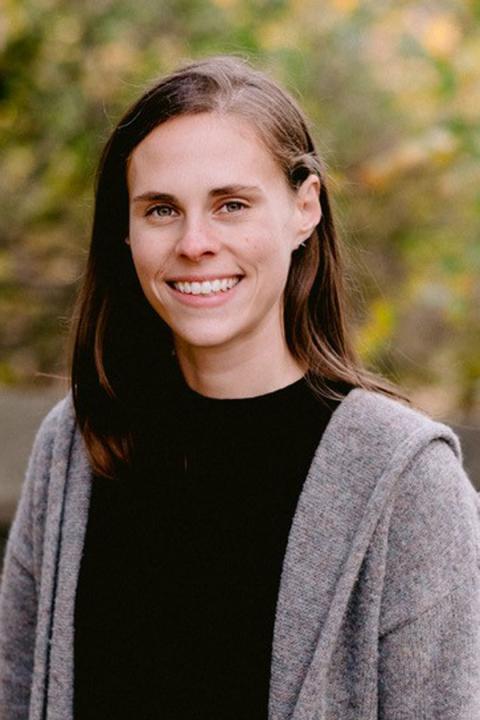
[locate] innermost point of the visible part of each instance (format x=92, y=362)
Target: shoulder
x=58, y=424
x=373, y=449
x=57, y=439
x=371, y=440
x=377, y=416
x=431, y=516
x=48, y=460
x=411, y=453
x=388, y=433
x=53, y=437
x=396, y=457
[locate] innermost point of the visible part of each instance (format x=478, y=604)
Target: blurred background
x=393, y=92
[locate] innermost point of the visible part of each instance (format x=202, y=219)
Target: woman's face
x=213, y=224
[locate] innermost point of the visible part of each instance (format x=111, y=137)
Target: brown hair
x=120, y=343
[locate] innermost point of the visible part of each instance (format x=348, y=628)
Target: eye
x=233, y=206
x=160, y=211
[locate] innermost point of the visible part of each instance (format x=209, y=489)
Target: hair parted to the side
x=120, y=345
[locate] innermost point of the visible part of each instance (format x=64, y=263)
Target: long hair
x=120, y=345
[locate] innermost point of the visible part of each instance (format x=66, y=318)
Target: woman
x=232, y=519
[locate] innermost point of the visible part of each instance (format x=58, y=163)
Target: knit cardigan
x=378, y=613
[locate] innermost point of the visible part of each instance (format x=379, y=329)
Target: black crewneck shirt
x=179, y=579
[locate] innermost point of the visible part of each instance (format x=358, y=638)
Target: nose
x=196, y=241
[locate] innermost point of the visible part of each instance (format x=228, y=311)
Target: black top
x=178, y=584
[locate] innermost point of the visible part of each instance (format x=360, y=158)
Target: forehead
x=205, y=147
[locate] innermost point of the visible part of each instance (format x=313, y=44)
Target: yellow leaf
x=345, y=7
x=440, y=35
x=373, y=335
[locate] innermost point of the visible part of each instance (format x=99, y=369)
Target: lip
x=202, y=278
x=203, y=301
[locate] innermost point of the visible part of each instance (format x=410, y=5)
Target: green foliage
x=393, y=90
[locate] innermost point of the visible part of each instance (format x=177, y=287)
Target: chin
x=202, y=342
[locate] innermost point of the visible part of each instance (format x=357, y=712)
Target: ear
x=309, y=211
x=127, y=240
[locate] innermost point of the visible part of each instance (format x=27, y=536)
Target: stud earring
x=302, y=244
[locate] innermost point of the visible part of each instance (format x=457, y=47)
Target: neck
x=221, y=372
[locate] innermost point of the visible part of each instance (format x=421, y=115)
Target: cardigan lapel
x=77, y=500
x=330, y=508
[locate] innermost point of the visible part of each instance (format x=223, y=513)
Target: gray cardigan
x=378, y=614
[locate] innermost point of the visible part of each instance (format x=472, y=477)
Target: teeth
x=208, y=287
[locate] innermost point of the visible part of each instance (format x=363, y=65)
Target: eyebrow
x=153, y=196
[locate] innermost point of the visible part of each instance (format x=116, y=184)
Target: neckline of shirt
x=270, y=397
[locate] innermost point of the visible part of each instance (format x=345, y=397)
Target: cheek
x=274, y=257
x=270, y=244
x=148, y=259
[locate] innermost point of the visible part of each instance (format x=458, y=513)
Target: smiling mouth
x=206, y=287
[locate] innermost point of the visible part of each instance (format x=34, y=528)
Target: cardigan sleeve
x=429, y=652
x=20, y=583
